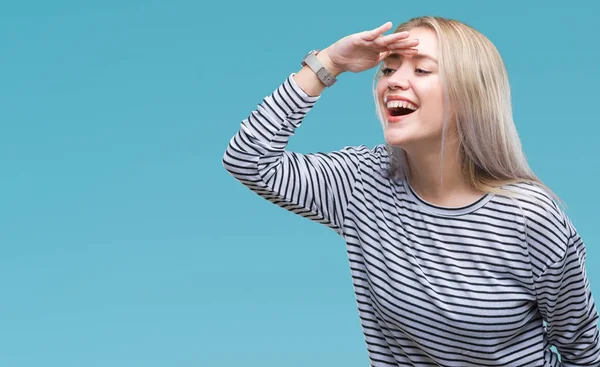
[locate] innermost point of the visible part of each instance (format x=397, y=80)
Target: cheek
x=432, y=98
x=380, y=88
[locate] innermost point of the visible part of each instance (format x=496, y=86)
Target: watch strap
x=316, y=66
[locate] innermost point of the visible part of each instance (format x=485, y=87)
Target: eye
x=387, y=71
x=422, y=71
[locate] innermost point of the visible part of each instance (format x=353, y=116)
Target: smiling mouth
x=399, y=107
x=400, y=111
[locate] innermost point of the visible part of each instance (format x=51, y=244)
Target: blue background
x=124, y=242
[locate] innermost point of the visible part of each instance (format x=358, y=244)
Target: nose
x=398, y=80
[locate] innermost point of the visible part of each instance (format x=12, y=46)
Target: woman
x=458, y=253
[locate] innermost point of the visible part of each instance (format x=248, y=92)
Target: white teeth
x=398, y=104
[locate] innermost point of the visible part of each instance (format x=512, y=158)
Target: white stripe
x=434, y=286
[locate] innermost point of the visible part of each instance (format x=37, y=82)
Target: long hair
x=475, y=84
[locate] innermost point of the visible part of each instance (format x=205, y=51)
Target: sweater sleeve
x=566, y=303
x=316, y=186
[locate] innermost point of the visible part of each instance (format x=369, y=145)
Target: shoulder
x=376, y=157
x=536, y=202
x=547, y=227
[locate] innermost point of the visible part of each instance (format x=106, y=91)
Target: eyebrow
x=398, y=57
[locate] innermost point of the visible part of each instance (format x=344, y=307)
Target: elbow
x=240, y=159
x=227, y=161
x=237, y=163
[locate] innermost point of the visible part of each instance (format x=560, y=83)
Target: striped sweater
x=492, y=283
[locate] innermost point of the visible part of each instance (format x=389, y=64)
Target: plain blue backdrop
x=124, y=242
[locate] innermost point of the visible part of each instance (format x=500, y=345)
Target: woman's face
x=410, y=94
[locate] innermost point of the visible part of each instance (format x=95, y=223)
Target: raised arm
x=317, y=186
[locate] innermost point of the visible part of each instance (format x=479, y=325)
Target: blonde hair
x=475, y=84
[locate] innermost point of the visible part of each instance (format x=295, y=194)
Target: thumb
x=383, y=55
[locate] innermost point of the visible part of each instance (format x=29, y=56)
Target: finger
x=394, y=37
x=377, y=48
x=403, y=43
x=404, y=51
x=390, y=38
x=373, y=34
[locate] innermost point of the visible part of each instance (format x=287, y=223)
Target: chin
x=397, y=139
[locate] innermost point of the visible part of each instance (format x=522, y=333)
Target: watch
x=315, y=65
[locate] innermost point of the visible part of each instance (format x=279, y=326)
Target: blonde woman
x=459, y=255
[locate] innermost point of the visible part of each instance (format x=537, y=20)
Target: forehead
x=428, y=43
x=427, y=47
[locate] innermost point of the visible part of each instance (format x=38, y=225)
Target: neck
x=431, y=184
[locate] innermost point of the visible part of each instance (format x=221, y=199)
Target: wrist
x=324, y=58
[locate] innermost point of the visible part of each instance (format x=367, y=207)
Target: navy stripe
x=485, y=284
